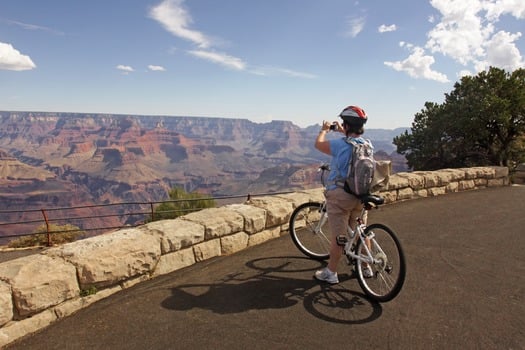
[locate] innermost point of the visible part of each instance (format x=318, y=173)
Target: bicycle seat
x=372, y=200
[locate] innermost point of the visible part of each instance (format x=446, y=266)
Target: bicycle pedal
x=341, y=240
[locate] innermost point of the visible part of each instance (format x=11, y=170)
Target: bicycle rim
x=388, y=275
x=311, y=238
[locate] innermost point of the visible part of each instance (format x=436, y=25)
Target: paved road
x=464, y=289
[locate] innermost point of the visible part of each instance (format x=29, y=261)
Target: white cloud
x=266, y=71
x=383, y=28
x=295, y=74
x=34, y=27
x=418, y=65
x=355, y=26
x=172, y=15
x=176, y=20
x=156, y=68
x=405, y=44
x=220, y=58
x=125, y=69
x=464, y=73
x=461, y=33
x=502, y=51
x=12, y=59
x=466, y=31
x=495, y=9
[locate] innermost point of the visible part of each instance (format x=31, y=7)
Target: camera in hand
x=333, y=127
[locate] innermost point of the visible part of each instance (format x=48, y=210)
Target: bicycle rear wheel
x=388, y=274
x=309, y=230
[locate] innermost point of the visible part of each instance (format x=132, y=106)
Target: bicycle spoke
x=389, y=263
x=309, y=230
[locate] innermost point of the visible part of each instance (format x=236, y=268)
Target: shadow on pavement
x=274, y=286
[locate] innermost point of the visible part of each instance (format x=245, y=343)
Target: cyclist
x=341, y=206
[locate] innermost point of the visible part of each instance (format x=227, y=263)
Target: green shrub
x=59, y=234
x=89, y=291
x=181, y=203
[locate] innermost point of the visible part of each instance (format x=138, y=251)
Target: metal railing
x=95, y=219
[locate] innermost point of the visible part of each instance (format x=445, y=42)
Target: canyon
x=77, y=159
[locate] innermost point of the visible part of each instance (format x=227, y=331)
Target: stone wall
x=37, y=290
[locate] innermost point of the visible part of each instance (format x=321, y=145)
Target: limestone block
x=396, y=181
x=296, y=198
x=217, y=222
x=39, y=282
x=416, y=180
x=421, y=193
x=389, y=196
x=496, y=182
x=106, y=260
x=452, y=187
x=316, y=194
x=174, y=261
x=15, y=330
x=6, y=303
x=470, y=173
x=175, y=234
x=276, y=232
x=405, y=193
x=501, y=171
x=254, y=218
x=135, y=280
x=278, y=210
x=451, y=175
x=466, y=185
x=436, y=191
x=207, y=250
x=485, y=172
x=71, y=306
x=285, y=227
x=480, y=183
x=234, y=243
x=432, y=179
x=264, y=236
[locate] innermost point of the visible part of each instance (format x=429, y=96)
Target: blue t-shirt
x=341, y=152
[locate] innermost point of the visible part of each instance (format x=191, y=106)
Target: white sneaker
x=326, y=275
x=367, y=272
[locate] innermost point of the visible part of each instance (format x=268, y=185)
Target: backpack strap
x=351, y=141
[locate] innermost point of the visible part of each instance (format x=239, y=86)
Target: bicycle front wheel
x=389, y=268
x=309, y=230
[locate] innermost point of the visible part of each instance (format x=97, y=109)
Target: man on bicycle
x=341, y=206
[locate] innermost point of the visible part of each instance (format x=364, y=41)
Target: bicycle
x=375, y=245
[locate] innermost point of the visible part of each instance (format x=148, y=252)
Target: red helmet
x=354, y=115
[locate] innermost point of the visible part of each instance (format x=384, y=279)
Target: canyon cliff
x=74, y=159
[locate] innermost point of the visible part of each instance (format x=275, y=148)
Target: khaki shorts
x=341, y=207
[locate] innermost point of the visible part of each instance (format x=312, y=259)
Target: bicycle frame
x=359, y=234
x=353, y=237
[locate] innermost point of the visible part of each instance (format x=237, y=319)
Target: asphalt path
x=464, y=290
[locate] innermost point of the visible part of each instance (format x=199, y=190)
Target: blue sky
x=297, y=60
